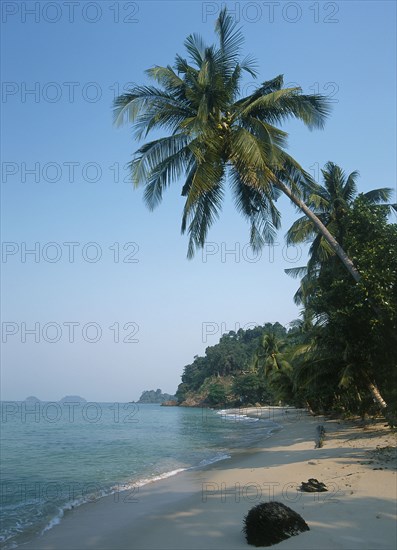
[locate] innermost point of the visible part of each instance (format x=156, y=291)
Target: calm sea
x=55, y=456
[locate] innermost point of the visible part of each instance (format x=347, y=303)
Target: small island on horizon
x=157, y=397
x=73, y=399
x=32, y=399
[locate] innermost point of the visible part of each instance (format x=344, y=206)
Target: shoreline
x=204, y=508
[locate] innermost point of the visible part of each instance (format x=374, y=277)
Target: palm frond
x=272, y=136
x=258, y=207
x=200, y=215
x=249, y=64
x=167, y=171
x=350, y=188
x=320, y=251
x=287, y=103
x=301, y=231
x=150, y=107
x=265, y=88
x=126, y=108
x=291, y=173
x=254, y=154
x=319, y=201
x=183, y=67
x=151, y=155
x=166, y=76
x=296, y=272
x=209, y=171
x=230, y=40
x=377, y=196
x=196, y=47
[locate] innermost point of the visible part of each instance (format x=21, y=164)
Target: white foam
x=148, y=480
x=61, y=512
x=214, y=459
x=237, y=417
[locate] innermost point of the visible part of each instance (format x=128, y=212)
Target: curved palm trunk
x=346, y=262
x=323, y=230
x=377, y=395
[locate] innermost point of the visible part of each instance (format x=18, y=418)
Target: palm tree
x=328, y=374
x=272, y=362
x=269, y=357
x=331, y=203
x=214, y=136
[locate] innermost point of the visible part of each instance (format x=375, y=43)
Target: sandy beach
x=204, y=509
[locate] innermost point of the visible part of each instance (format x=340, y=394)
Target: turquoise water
x=58, y=455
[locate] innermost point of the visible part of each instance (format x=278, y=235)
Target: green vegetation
x=342, y=355
x=231, y=373
x=348, y=360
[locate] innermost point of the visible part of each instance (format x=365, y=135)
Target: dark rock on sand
x=271, y=522
x=313, y=486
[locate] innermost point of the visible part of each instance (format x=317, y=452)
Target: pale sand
x=205, y=508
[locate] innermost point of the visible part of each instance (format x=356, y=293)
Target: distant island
x=152, y=396
x=32, y=399
x=72, y=399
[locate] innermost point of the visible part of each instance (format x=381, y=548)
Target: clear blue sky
x=74, y=60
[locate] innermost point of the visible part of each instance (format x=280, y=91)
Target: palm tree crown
x=215, y=135
x=331, y=203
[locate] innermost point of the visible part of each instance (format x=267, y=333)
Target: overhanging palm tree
x=214, y=136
